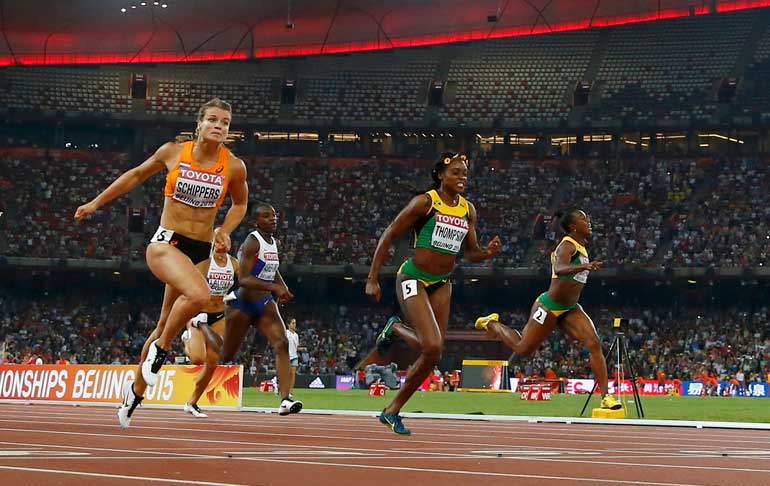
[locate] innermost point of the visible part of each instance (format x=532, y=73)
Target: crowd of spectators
x=629, y=202
x=729, y=227
x=40, y=194
x=645, y=212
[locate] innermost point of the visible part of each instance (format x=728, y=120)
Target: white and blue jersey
x=266, y=260
x=264, y=267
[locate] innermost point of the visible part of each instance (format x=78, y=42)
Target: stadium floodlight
x=123, y=10
x=164, y=6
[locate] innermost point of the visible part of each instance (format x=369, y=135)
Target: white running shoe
x=194, y=410
x=289, y=406
x=152, y=364
x=130, y=401
x=186, y=335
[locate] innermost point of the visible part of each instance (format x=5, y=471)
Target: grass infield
x=721, y=409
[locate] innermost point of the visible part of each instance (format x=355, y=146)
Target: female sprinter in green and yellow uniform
x=559, y=305
x=444, y=223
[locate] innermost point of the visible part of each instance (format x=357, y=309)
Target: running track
x=64, y=445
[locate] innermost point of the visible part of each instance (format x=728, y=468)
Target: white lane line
x=117, y=476
x=356, y=438
x=535, y=435
x=386, y=451
x=477, y=473
x=542, y=429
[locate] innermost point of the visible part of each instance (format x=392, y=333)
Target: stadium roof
x=99, y=31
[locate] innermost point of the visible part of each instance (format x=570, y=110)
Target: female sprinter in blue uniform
x=254, y=302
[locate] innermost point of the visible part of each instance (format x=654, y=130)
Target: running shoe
x=393, y=421
x=156, y=356
x=482, y=322
x=194, y=410
x=130, y=401
x=385, y=338
x=289, y=406
x=609, y=402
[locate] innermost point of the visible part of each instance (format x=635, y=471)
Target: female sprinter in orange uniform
x=200, y=174
x=444, y=223
x=203, y=336
x=559, y=305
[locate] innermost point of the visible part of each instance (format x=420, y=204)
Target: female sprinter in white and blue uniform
x=254, y=302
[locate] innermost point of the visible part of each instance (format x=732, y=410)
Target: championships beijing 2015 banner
x=102, y=384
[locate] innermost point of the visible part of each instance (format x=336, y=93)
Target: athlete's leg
x=580, y=327
x=540, y=325
x=272, y=327
x=204, y=377
x=293, y=378
x=237, y=324
x=174, y=268
x=213, y=337
x=440, y=302
x=416, y=308
x=195, y=344
x=407, y=334
x=170, y=294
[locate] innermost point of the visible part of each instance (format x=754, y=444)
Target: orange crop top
x=196, y=187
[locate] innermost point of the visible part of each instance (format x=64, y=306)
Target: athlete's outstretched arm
x=417, y=207
x=562, y=265
x=473, y=252
x=129, y=180
x=239, y=196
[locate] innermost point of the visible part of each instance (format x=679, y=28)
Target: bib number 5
x=161, y=236
x=409, y=288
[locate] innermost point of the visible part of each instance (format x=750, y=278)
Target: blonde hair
x=213, y=103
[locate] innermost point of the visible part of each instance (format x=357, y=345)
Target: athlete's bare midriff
x=565, y=292
x=195, y=223
x=434, y=262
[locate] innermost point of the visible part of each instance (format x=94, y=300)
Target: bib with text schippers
x=198, y=188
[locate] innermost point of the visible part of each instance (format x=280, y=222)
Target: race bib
x=582, y=277
x=197, y=188
x=449, y=233
x=162, y=235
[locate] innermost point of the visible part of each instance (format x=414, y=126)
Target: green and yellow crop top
x=579, y=257
x=444, y=228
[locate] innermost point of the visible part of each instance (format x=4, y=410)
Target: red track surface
x=64, y=445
